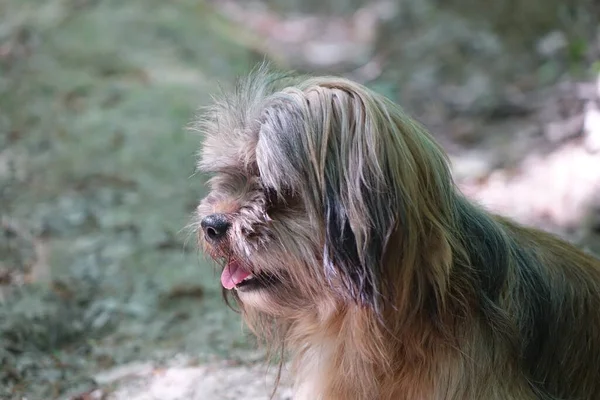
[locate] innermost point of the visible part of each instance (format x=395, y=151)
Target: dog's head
x=319, y=188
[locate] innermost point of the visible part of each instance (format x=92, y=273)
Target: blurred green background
x=97, y=178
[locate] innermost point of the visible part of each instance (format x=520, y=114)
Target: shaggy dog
x=344, y=239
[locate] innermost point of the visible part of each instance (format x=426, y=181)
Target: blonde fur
x=389, y=284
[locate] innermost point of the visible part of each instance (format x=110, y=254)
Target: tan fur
x=427, y=297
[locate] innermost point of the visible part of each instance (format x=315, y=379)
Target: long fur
x=392, y=285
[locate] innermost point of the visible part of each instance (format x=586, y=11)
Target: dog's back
x=556, y=302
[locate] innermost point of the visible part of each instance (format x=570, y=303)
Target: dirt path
x=204, y=382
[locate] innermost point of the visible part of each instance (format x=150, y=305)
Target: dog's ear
x=362, y=208
x=322, y=144
x=366, y=172
x=354, y=244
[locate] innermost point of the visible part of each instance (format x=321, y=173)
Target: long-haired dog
x=344, y=239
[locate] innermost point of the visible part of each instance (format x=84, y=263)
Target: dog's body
x=346, y=241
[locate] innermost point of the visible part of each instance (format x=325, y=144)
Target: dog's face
x=308, y=186
x=254, y=220
x=262, y=237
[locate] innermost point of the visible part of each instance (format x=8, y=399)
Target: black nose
x=214, y=226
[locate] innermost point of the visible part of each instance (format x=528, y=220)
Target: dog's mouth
x=234, y=275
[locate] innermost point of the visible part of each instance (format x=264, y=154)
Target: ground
x=103, y=293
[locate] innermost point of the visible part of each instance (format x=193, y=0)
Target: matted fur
x=392, y=285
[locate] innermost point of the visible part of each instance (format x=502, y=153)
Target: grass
x=96, y=95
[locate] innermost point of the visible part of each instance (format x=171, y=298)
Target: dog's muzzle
x=215, y=227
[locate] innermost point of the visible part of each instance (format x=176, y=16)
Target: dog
x=344, y=240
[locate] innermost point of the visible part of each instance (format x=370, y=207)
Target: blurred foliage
x=521, y=23
x=334, y=7
x=95, y=97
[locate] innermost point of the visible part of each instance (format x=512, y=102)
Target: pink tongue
x=233, y=274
